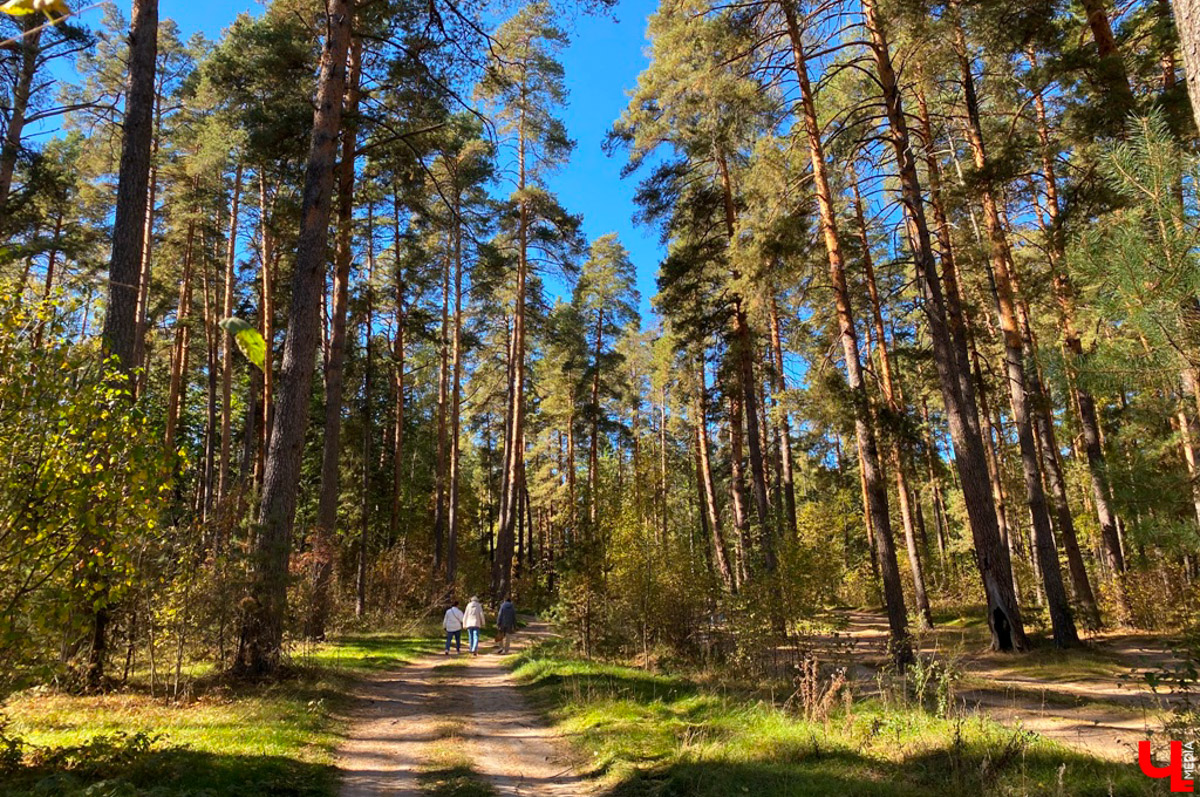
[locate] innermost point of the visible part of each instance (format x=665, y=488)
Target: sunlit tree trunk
x=891, y=395
x=364, y=535
x=1015, y=366
x=720, y=558
x=1004, y=616
x=266, y=606
x=514, y=454
x=129, y=229
x=1085, y=404
x=864, y=431
x=398, y=379
x=785, y=430
x=227, y=339
x=267, y=311
x=139, y=340
x=179, y=351
x=441, y=439
x=22, y=91
x=327, y=502
x=456, y=373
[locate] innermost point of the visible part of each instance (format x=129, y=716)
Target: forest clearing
x=819, y=379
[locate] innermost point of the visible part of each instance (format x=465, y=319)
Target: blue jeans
x=457, y=637
x=473, y=638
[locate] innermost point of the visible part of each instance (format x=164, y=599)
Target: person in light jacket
x=453, y=623
x=506, y=623
x=473, y=620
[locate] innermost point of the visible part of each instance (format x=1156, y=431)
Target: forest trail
x=454, y=714
x=1076, y=698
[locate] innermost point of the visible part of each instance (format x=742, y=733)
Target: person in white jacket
x=453, y=623
x=473, y=621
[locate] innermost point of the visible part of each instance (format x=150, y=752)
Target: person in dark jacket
x=506, y=623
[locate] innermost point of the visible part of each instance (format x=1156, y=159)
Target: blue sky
x=602, y=64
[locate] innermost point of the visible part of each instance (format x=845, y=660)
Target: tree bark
x=183, y=328
x=139, y=340
x=456, y=373
x=864, y=430
x=441, y=456
x=364, y=535
x=593, y=474
x=22, y=92
x=398, y=356
x=1062, y=622
x=892, y=397
x=785, y=428
x=1004, y=616
x=514, y=454
x=1187, y=20
x=1112, y=66
x=720, y=558
x=262, y=623
x=327, y=502
x=129, y=230
x=1085, y=404
x=267, y=311
x=227, y=339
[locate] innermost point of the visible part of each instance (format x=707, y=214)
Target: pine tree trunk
x=442, y=443
x=1062, y=622
x=262, y=623
x=514, y=453
x=891, y=395
x=327, y=502
x=745, y=349
x=129, y=230
x=1085, y=404
x=211, y=336
x=708, y=488
x=1056, y=481
x=183, y=327
x=1004, y=617
x=1187, y=20
x=864, y=432
x=1112, y=66
x=743, y=399
x=267, y=311
x=22, y=92
x=785, y=428
x=227, y=340
x=453, y=520
x=139, y=340
x=593, y=474
x=742, y=544
x=364, y=537
x=398, y=356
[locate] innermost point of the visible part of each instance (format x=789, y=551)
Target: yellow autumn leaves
x=51, y=8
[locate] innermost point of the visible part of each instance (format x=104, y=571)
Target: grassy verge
x=662, y=735
x=276, y=739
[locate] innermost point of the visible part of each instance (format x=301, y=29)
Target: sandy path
x=1097, y=714
x=402, y=716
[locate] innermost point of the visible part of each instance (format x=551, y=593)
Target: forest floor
x=1092, y=698
x=455, y=725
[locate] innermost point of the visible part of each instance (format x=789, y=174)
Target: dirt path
x=454, y=713
x=1076, y=698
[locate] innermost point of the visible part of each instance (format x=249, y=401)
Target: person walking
x=453, y=623
x=506, y=623
x=473, y=620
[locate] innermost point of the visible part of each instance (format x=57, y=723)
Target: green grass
x=276, y=739
x=662, y=735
